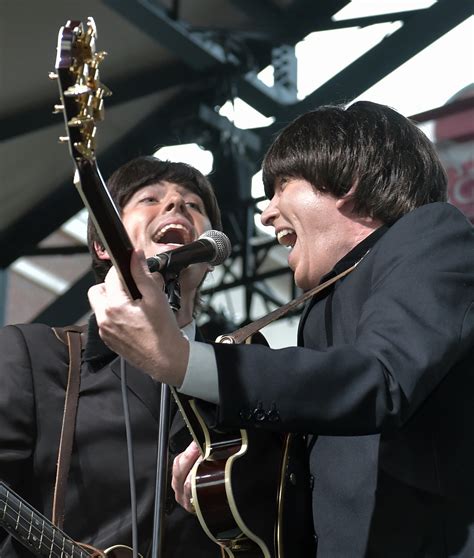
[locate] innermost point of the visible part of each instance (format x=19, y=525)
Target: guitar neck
x=107, y=221
x=33, y=530
x=81, y=93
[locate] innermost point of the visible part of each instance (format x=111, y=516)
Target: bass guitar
x=40, y=536
x=241, y=492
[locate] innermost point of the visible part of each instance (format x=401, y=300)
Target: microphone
x=212, y=247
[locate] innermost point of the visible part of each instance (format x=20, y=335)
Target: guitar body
x=116, y=551
x=248, y=487
x=236, y=493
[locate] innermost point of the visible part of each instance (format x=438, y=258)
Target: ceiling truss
x=217, y=66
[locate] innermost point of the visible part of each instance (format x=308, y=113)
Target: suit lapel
x=304, y=315
x=149, y=393
x=141, y=385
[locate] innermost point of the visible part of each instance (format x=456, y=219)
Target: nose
x=270, y=213
x=175, y=202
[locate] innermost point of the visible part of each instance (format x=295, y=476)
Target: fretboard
x=33, y=530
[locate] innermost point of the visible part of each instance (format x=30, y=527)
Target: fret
x=52, y=544
x=4, y=513
x=18, y=516
x=33, y=530
x=31, y=525
x=37, y=525
x=42, y=535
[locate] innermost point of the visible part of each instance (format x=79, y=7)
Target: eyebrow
x=185, y=190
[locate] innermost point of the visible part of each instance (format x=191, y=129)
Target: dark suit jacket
x=33, y=372
x=384, y=379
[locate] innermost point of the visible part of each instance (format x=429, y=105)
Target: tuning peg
x=63, y=139
x=91, y=26
x=77, y=90
x=53, y=75
x=58, y=108
x=84, y=150
x=99, y=57
x=103, y=90
x=79, y=121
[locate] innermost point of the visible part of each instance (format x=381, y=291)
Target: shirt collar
x=96, y=351
x=189, y=330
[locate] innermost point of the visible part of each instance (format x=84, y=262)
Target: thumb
x=144, y=279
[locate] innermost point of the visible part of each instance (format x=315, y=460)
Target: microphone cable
x=130, y=459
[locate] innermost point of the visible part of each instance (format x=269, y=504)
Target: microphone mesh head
x=221, y=243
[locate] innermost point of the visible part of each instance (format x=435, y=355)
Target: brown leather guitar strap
x=248, y=330
x=71, y=336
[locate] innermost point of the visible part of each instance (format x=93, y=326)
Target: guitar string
x=39, y=534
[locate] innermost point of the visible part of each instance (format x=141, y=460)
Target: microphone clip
x=173, y=290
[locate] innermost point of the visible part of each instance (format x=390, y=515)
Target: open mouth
x=173, y=233
x=286, y=237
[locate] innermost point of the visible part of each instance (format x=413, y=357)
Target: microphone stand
x=172, y=290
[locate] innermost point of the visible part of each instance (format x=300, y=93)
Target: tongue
x=164, y=246
x=288, y=240
x=172, y=237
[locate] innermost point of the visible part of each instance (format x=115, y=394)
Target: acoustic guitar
x=40, y=536
x=240, y=490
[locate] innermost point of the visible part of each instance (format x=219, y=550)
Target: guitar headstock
x=80, y=89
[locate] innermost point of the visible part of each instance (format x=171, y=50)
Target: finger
x=181, y=481
x=184, y=462
x=115, y=289
x=190, y=456
x=145, y=280
x=97, y=299
x=188, y=499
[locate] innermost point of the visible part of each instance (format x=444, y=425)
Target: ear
x=345, y=202
x=101, y=252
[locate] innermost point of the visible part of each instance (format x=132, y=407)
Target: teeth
x=174, y=226
x=283, y=233
x=284, y=241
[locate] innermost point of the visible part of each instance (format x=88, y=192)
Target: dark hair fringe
x=389, y=160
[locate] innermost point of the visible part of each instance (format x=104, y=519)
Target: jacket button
x=259, y=415
x=245, y=414
x=273, y=415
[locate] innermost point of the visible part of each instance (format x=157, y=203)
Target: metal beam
x=418, y=33
x=70, y=307
x=64, y=202
x=369, y=20
x=200, y=53
x=124, y=89
x=152, y=19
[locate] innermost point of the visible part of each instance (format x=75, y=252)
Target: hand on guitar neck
x=181, y=481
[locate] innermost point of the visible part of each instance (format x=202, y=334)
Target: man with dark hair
x=162, y=205
x=382, y=377
x=141, y=172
